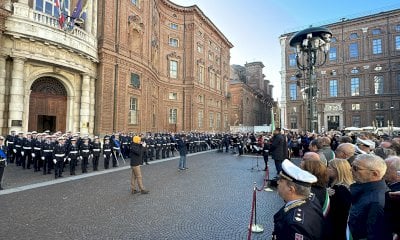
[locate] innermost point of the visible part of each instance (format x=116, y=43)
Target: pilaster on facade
x=85, y=105
x=2, y=92
x=16, y=105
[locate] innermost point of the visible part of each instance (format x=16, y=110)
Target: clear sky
x=254, y=26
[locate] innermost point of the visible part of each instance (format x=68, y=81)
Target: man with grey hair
x=392, y=206
x=346, y=151
x=299, y=218
x=366, y=216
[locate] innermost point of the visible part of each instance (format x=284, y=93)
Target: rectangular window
x=378, y=84
x=333, y=88
x=212, y=79
x=173, y=113
x=173, y=26
x=201, y=74
x=173, y=42
x=356, y=121
x=292, y=60
x=133, y=111
x=49, y=7
x=218, y=123
x=355, y=87
x=353, y=50
x=355, y=106
x=225, y=121
x=377, y=46
x=211, y=120
x=135, y=80
x=200, y=119
x=218, y=83
x=397, y=42
x=173, y=69
x=293, y=91
x=173, y=96
x=135, y=2
x=379, y=105
x=293, y=122
x=201, y=99
x=332, y=54
x=380, y=121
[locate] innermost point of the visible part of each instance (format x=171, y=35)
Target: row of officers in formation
x=45, y=151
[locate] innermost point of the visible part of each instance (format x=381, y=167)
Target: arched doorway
x=47, y=105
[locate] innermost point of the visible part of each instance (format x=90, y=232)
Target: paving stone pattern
x=210, y=200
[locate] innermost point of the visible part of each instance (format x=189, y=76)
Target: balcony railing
x=34, y=24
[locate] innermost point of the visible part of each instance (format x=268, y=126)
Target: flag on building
x=61, y=17
x=83, y=15
x=77, y=10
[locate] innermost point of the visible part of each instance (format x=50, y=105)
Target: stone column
x=16, y=104
x=92, y=102
x=89, y=17
x=85, y=105
x=2, y=92
x=94, y=18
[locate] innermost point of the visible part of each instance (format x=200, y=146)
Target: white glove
x=42, y=158
x=15, y=150
x=54, y=161
x=91, y=155
x=69, y=159
x=65, y=159
x=6, y=162
x=22, y=153
x=33, y=155
x=144, y=144
x=104, y=156
x=80, y=157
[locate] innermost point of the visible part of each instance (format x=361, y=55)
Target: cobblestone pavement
x=210, y=200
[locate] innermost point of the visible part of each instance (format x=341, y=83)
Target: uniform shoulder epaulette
x=296, y=204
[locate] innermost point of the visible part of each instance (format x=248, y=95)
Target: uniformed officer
x=47, y=155
x=37, y=150
x=107, y=151
x=73, y=154
x=27, y=147
x=85, y=153
x=151, y=147
x=10, y=146
x=158, y=146
x=116, y=143
x=3, y=159
x=59, y=157
x=299, y=218
x=18, y=148
x=96, y=150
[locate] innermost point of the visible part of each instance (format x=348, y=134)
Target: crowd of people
x=343, y=188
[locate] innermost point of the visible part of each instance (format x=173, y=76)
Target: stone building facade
x=47, y=73
x=163, y=67
x=251, y=96
x=359, y=85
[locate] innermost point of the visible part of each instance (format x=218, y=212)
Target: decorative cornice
x=173, y=55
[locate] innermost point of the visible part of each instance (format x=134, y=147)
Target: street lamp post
x=312, y=48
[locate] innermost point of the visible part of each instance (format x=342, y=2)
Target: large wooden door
x=47, y=106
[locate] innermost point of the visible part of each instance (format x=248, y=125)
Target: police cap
x=293, y=173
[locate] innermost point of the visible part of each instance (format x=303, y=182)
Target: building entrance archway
x=47, y=105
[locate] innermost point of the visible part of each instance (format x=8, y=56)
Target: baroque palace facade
x=359, y=85
x=131, y=66
x=251, y=96
x=47, y=74
x=163, y=67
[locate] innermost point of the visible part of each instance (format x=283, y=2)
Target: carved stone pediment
x=173, y=55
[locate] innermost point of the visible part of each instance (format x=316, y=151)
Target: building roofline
x=196, y=9
x=347, y=20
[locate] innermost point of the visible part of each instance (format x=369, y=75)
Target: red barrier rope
x=252, y=212
x=266, y=178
